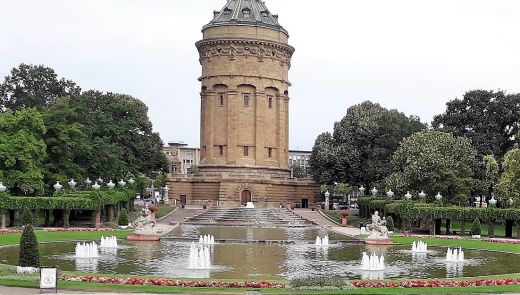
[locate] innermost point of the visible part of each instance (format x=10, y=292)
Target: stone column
x=109, y=213
x=166, y=191
x=3, y=218
x=97, y=222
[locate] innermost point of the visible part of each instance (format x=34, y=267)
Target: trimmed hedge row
x=88, y=200
x=415, y=210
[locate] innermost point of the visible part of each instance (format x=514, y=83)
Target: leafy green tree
x=27, y=216
x=476, y=229
x=361, y=147
x=22, y=150
x=434, y=162
x=193, y=170
x=68, y=147
x=29, y=255
x=488, y=118
x=122, y=220
x=297, y=171
x=390, y=223
x=31, y=86
x=121, y=134
x=509, y=184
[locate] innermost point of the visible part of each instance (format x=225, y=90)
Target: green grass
x=44, y=236
x=164, y=210
x=465, y=243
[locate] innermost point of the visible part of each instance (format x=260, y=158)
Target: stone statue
x=144, y=221
x=377, y=228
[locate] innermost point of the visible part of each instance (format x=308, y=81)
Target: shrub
x=390, y=223
x=29, y=255
x=123, y=218
x=27, y=217
x=476, y=229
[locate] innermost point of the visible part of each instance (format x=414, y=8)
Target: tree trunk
x=438, y=225
x=66, y=218
x=462, y=227
x=3, y=218
x=46, y=214
x=11, y=218
x=448, y=225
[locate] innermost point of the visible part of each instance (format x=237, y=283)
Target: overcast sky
x=412, y=55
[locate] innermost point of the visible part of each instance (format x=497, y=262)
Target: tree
x=434, y=162
x=121, y=134
x=360, y=149
x=31, y=86
x=490, y=119
x=476, y=229
x=509, y=184
x=122, y=220
x=297, y=171
x=29, y=255
x=22, y=150
x=27, y=216
x=193, y=170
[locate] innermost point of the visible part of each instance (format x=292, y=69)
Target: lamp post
x=374, y=191
x=408, y=196
x=390, y=193
x=122, y=183
x=327, y=195
x=362, y=190
x=57, y=186
x=422, y=195
x=2, y=187
x=166, y=190
x=88, y=182
x=438, y=197
x=96, y=186
x=110, y=185
x=131, y=181
x=72, y=183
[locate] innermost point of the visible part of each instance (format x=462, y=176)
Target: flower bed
x=497, y=241
x=169, y=282
x=436, y=283
x=513, y=242
x=9, y=231
x=62, y=230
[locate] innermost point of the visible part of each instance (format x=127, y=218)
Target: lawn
x=465, y=243
x=164, y=210
x=500, y=229
x=45, y=236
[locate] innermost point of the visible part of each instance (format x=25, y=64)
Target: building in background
x=300, y=159
x=181, y=157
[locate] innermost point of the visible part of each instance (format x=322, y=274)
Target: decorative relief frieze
x=254, y=49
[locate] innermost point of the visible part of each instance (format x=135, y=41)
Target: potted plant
x=344, y=214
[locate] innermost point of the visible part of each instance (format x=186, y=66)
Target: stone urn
x=344, y=214
x=153, y=209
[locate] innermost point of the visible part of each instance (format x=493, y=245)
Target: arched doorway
x=245, y=197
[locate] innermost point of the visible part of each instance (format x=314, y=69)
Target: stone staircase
x=250, y=217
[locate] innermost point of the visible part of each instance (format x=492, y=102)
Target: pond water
x=170, y=258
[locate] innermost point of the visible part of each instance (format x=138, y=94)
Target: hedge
x=88, y=200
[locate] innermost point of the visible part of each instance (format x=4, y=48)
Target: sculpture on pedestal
x=377, y=228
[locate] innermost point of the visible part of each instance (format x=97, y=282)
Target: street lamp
x=374, y=191
x=408, y=196
x=131, y=181
x=122, y=183
x=57, y=186
x=110, y=185
x=390, y=193
x=362, y=190
x=100, y=180
x=2, y=187
x=422, y=195
x=72, y=183
x=438, y=197
x=88, y=182
x=96, y=186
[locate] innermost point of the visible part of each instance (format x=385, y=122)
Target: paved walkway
x=316, y=218
x=26, y=291
x=181, y=215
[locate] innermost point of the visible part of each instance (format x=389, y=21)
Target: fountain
x=372, y=262
x=207, y=240
x=322, y=241
x=455, y=255
x=85, y=250
x=108, y=242
x=200, y=257
x=419, y=247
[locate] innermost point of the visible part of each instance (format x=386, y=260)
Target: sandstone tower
x=244, y=134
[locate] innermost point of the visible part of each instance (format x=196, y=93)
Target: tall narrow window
x=270, y=101
x=221, y=150
x=246, y=100
x=270, y=152
x=246, y=151
x=221, y=98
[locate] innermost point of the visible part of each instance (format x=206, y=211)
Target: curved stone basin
x=272, y=261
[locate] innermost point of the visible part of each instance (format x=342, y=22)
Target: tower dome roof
x=245, y=12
